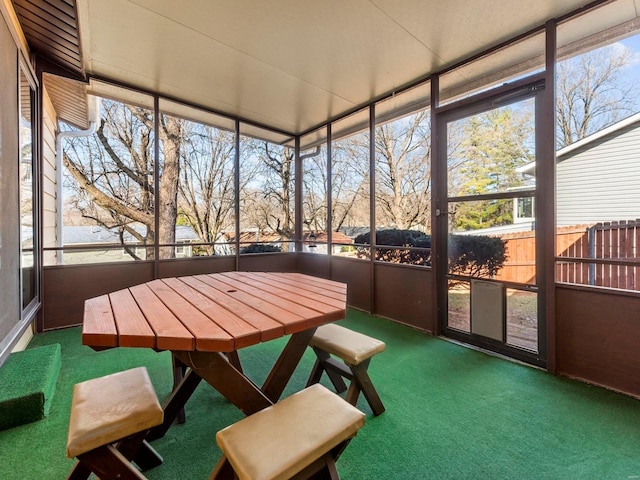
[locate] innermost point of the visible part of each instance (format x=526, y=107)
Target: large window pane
x=314, y=196
x=197, y=180
x=597, y=172
x=27, y=210
x=514, y=61
x=487, y=151
x=108, y=189
x=267, y=222
x=350, y=182
x=403, y=186
x=403, y=175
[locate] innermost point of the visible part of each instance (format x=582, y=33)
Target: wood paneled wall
x=598, y=337
x=49, y=191
x=598, y=332
x=65, y=288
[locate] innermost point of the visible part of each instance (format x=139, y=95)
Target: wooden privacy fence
x=604, y=246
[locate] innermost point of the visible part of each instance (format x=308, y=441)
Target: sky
x=633, y=43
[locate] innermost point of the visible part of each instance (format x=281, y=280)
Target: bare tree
x=114, y=174
x=267, y=198
x=206, y=201
x=350, y=182
x=591, y=92
x=403, y=176
x=314, y=190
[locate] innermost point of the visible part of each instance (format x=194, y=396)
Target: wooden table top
x=219, y=312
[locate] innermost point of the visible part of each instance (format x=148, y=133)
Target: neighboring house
x=585, y=195
x=353, y=232
x=95, y=239
x=225, y=244
x=598, y=204
x=317, y=242
x=185, y=235
x=313, y=242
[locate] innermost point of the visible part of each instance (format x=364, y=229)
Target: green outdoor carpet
x=452, y=413
x=27, y=384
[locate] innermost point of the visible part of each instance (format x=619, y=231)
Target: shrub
x=260, y=248
x=397, y=238
x=469, y=255
x=476, y=255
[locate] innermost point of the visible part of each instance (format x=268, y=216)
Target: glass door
x=28, y=207
x=489, y=226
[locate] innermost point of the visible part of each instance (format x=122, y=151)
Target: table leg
x=234, y=359
x=179, y=370
x=220, y=372
x=286, y=364
x=215, y=369
x=175, y=404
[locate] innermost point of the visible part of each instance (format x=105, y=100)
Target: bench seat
x=355, y=350
x=107, y=410
x=300, y=435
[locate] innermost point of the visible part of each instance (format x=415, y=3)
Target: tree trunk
x=171, y=138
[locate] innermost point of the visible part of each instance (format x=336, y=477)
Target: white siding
x=49, y=130
x=601, y=181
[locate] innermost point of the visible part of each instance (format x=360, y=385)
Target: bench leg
x=80, y=471
x=316, y=373
x=223, y=470
x=107, y=462
x=145, y=456
x=324, y=468
x=362, y=382
x=320, y=366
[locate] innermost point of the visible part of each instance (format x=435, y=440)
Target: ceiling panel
x=456, y=29
x=162, y=55
x=288, y=64
x=313, y=42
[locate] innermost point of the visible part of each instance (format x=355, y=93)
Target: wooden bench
x=298, y=437
x=356, y=350
x=110, y=417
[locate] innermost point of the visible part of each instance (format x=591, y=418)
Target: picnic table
x=205, y=319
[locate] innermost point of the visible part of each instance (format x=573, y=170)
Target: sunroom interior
x=291, y=109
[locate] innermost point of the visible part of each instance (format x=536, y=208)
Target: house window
x=524, y=209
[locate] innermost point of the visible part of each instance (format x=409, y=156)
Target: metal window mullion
x=372, y=201
x=236, y=187
x=545, y=203
x=297, y=196
x=439, y=208
x=329, y=195
x=156, y=185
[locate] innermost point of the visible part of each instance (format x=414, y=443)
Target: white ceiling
x=294, y=64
